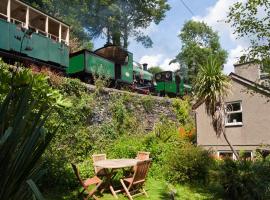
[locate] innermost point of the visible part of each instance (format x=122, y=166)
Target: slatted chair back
x=142, y=155
x=141, y=171
x=95, y=181
x=98, y=157
x=76, y=171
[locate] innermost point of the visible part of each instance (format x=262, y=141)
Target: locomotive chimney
x=145, y=66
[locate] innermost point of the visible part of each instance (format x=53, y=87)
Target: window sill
x=234, y=125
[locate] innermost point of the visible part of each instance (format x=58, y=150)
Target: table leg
x=113, y=192
x=108, y=182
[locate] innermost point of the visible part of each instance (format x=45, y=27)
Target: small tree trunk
x=108, y=36
x=218, y=118
x=125, y=38
x=231, y=146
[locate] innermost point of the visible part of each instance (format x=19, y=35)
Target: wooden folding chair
x=85, y=184
x=100, y=172
x=133, y=186
x=142, y=155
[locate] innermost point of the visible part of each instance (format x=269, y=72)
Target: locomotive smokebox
x=145, y=66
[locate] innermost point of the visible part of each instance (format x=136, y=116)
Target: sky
x=165, y=35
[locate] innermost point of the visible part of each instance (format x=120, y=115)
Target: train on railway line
x=30, y=36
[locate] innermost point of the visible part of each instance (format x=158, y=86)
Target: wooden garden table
x=110, y=165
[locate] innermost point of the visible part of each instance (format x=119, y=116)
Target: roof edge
x=265, y=91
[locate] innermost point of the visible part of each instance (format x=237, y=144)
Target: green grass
x=156, y=190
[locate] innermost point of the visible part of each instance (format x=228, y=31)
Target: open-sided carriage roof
x=26, y=17
x=41, y=11
x=114, y=53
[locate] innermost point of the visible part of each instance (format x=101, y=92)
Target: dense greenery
x=121, y=134
x=189, y=164
x=199, y=41
x=26, y=103
x=245, y=179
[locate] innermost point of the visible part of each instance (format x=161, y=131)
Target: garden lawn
x=156, y=189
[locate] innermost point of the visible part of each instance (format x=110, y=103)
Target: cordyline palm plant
x=26, y=102
x=212, y=86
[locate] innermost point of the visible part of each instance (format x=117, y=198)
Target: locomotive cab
x=123, y=62
x=170, y=83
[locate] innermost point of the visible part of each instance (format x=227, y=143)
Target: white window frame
x=234, y=157
x=233, y=112
x=224, y=151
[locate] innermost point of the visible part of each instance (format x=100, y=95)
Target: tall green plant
x=26, y=105
x=212, y=86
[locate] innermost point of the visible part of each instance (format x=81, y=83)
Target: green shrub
x=126, y=147
x=148, y=103
x=245, y=180
x=27, y=101
x=162, y=142
x=189, y=164
x=182, y=109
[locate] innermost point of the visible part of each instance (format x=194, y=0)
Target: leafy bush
x=126, y=147
x=27, y=101
x=162, y=142
x=245, y=179
x=148, y=103
x=189, y=164
x=182, y=109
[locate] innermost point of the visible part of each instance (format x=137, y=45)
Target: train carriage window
x=37, y=22
x=18, y=13
x=168, y=75
x=126, y=60
x=54, y=30
x=3, y=10
x=158, y=77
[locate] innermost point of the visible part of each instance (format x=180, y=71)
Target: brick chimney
x=249, y=70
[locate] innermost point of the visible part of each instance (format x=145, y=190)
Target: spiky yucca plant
x=212, y=86
x=26, y=102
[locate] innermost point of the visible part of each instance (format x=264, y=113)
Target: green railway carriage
x=170, y=83
x=110, y=61
x=85, y=63
x=28, y=33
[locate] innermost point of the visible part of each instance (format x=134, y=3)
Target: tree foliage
x=121, y=19
x=251, y=19
x=198, y=42
x=155, y=70
x=211, y=87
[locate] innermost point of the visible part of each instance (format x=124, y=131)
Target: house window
x=225, y=155
x=234, y=114
x=246, y=155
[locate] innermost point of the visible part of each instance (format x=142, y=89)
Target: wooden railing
x=3, y=16
x=34, y=29
x=17, y=22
